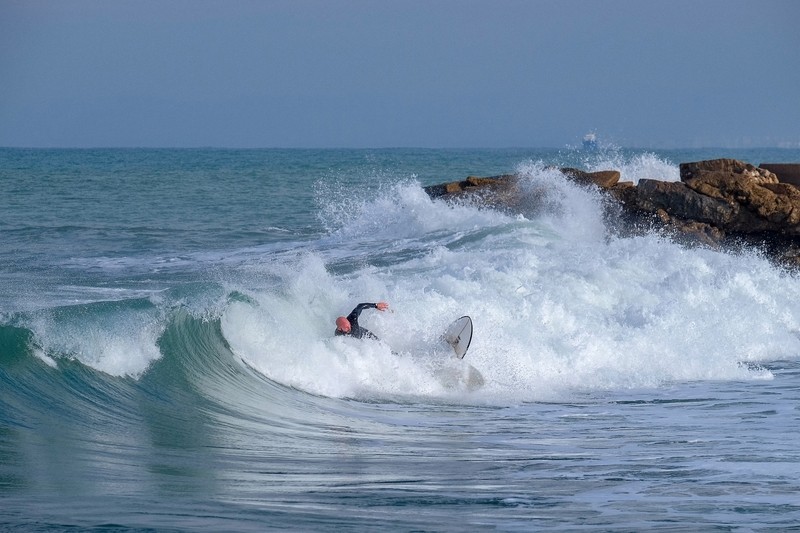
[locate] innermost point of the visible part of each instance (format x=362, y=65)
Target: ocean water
x=168, y=363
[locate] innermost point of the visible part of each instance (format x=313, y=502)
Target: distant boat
x=590, y=141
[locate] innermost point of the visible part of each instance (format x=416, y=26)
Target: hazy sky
x=446, y=73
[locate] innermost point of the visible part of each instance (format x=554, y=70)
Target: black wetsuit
x=356, y=330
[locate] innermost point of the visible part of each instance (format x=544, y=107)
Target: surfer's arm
x=354, y=314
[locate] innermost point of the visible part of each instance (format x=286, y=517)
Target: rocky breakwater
x=722, y=203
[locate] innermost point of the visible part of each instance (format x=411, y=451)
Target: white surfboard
x=454, y=372
x=459, y=335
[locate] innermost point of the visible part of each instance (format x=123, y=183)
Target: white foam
x=633, y=168
x=120, y=344
x=558, y=305
x=288, y=336
x=400, y=212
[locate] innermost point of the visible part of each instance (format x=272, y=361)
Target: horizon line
x=242, y=148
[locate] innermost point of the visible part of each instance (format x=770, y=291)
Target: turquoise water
x=167, y=359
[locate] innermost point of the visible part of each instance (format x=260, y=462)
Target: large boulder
x=498, y=192
x=605, y=179
x=731, y=195
x=726, y=167
x=758, y=201
x=679, y=200
x=472, y=184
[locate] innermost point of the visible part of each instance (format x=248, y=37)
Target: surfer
x=349, y=325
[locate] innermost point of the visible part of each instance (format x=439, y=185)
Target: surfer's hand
x=382, y=306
